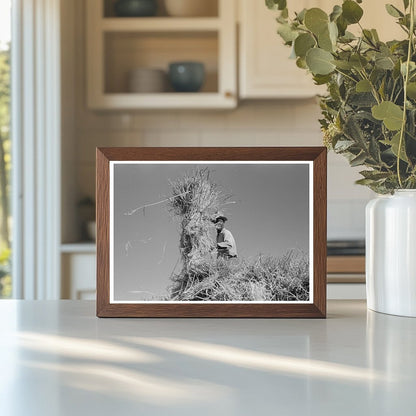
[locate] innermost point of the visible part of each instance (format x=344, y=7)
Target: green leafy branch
x=369, y=112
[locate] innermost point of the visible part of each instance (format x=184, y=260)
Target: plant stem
x=373, y=88
x=346, y=75
x=405, y=81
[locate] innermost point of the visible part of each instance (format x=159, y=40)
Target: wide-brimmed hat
x=219, y=216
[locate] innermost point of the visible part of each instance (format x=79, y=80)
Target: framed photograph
x=211, y=232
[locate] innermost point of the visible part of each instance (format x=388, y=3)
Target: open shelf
x=116, y=46
x=160, y=24
x=210, y=7
x=127, y=51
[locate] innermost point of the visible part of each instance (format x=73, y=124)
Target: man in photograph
x=226, y=247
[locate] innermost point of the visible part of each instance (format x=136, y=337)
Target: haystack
x=195, y=198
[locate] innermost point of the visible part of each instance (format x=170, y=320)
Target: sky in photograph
x=270, y=216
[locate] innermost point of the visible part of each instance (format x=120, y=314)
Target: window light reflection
x=262, y=361
x=131, y=384
x=82, y=348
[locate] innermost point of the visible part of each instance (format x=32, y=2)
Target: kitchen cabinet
x=118, y=45
x=265, y=69
x=78, y=280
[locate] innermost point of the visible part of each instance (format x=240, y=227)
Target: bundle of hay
x=264, y=278
x=195, y=198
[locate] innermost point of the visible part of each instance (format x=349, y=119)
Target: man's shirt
x=226, y=243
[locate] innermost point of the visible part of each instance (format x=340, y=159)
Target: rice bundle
x=195, y=198
x=264, y=278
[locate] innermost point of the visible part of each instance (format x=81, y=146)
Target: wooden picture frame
x=114, y=165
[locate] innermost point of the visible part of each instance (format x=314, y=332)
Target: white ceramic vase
x=391, y=253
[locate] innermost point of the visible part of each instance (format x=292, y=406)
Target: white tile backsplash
x=165, y=138
x=147, y=120
x=215, y=120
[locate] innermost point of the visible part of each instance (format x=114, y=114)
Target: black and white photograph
x=188, y=231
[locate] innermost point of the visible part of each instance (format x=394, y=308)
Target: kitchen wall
x=253, y=123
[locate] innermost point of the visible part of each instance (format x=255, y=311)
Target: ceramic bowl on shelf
x=186, y=76
x=135, y=8
x=147, y=80
x=191, y=8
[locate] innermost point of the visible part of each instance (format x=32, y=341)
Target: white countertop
x=57, y=358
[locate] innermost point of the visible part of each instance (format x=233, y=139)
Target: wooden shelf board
x=160, y=24
x=345, y=278
x=163, y=100
x=346, y=264
x=80, y=247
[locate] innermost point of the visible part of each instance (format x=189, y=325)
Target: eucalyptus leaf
x=365, y=182
x=342, y=25
x=343, y=145
x=358, y=160
x=281, y=19
x=388, y=112
x=374, y=174
x=347, y=37
x=303, y=43
x=301, y=15
x=375, y=35
x=321, y=79
x=336, y=12
x=320, y=61
x=276, y=4
x=287, y=33
x=333, y=32
x=384, y=62
x=411, y=90
x=354, y=132
x=301, y=63
x=358, y=61
x=362, y=100
x=363, y=86
x=382, y=89
x=411, y=119
x=345, y=65
x=335, y=91
x=374, y=150
x=412, y=67
x=316, y=20
x=393, y=11
x=368, y=36
x=377, y=75
x=405, y=21
x=351, y=11
x=385, y=50
x=325, y=42
x=394, y=145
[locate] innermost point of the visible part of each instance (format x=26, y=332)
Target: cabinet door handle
x=229, y=94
